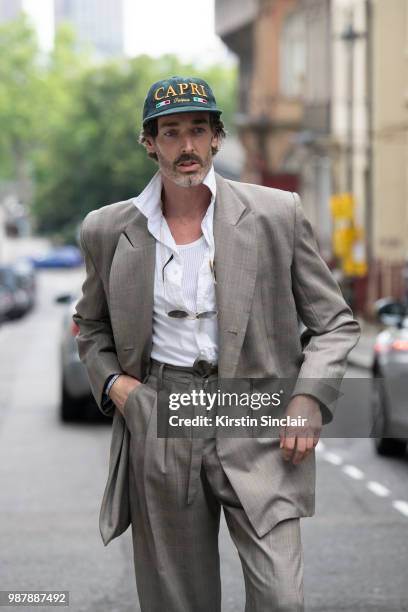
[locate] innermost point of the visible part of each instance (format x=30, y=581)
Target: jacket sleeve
x=95, y=341
x=332, y=331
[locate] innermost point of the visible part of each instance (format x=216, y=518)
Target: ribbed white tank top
x=192, y=255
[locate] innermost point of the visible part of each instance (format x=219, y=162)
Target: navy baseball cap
x=178, y=95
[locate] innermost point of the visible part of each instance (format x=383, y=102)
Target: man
x=197, y=279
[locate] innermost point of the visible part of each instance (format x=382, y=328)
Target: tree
x=19, y=97
x=93, y=157
x=73, y=126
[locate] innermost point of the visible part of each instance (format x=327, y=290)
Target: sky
x=41, y=13
x=154, y=27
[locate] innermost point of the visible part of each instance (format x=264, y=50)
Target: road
x=52, y=477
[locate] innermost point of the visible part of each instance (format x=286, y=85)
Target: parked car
x=6, y=302
x=76, y=399
x=390, y=379
x=25, y=274
x=18, y=301
x=59, y=257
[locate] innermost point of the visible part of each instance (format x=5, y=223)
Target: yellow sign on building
x=348, y=239
x=343, y=241
x=342, y=206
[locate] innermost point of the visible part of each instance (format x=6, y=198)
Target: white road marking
x=378, y=489
x=333, y=458
x=401, y=506
x=353, y=472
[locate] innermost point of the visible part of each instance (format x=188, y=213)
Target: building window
x=293, y=56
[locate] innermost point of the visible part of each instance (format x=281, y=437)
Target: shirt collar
x=149, y=201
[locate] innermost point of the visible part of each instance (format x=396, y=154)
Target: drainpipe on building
x=357, y=286
x=372, y=272
x=370, y=131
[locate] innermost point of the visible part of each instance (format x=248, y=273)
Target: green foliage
x=77, y=123
x=93, y=158
x=19, y=96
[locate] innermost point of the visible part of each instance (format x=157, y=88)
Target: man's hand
x=298, y=442
x=121, y=388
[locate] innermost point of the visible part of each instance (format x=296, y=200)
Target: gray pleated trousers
x=177, y=488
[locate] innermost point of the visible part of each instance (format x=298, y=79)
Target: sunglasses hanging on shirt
x=181, y=313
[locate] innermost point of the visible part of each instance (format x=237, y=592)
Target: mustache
x=188, y=158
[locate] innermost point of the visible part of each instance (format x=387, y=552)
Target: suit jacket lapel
x=131, y=293
x=236, y=266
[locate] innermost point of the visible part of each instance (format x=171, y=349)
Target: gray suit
x=268, y=272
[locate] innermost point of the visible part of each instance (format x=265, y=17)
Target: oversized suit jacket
x=269, y=273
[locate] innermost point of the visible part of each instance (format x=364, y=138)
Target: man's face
x=183, y=147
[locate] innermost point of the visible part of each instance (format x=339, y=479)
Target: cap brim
x=182, y=109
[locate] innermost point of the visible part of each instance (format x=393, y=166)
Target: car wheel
x=69, y=408
x=388, y=447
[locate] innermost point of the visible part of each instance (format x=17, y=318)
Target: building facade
x=268, y=38
x=390, y=148
x=97, y=22
x=284, y=50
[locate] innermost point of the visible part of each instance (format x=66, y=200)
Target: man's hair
x=151, y=130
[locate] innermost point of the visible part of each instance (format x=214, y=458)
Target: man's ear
x=215, y=142
x=149, y=144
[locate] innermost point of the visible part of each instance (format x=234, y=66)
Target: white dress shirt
x=181, y=341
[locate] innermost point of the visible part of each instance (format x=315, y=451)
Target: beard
x=185, y=179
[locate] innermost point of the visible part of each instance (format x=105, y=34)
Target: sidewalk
x=362, y=354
